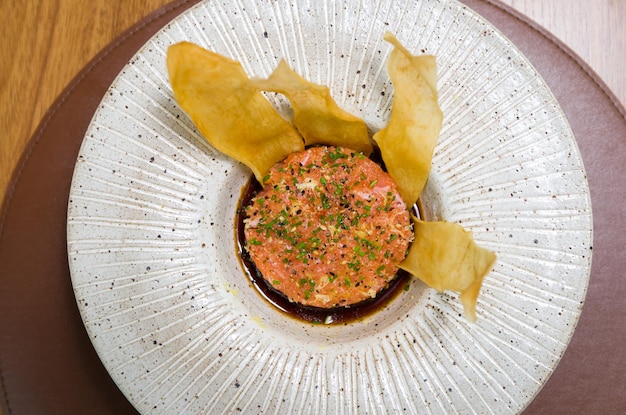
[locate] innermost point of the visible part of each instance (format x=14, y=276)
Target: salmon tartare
x=328, y=228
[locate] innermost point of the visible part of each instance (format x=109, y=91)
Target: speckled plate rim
x=439, y=193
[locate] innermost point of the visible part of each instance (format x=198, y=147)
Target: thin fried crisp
x=233, y=116
x=230, y=111
x=407, y=143
x=316, y=115
x=445, y=257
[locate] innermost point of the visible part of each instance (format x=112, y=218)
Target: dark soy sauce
x=309, y=314
x=315, y=315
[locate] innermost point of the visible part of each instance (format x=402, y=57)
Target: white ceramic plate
x=152, y=246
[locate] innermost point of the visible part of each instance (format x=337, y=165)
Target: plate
x=151, y=215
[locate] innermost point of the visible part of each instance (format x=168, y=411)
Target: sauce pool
x=314, y=315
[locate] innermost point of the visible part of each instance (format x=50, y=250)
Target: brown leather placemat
x=47, y=363
x=591, y=377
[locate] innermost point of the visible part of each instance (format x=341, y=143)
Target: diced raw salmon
x=328, y=227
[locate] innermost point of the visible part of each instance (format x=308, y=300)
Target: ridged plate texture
x=152, y=209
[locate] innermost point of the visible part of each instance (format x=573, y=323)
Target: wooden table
x=43, y=44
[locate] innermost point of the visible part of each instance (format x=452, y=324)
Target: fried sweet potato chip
x=233, y=116
x=408, y=142
x=316, y=115
x=445, y=257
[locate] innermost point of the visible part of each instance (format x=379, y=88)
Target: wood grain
x=594, y=30
x=44, y=44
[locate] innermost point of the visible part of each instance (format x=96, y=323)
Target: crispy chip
x=445, y=257
x=233, y=116
x=316, y=115
x=230, y=111
x=408, y=141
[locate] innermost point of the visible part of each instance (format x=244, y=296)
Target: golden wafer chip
x=232, y=115
x=408, y=141
x=316, y=115
x=445, y=257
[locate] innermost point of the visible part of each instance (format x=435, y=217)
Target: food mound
x=329, y=227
